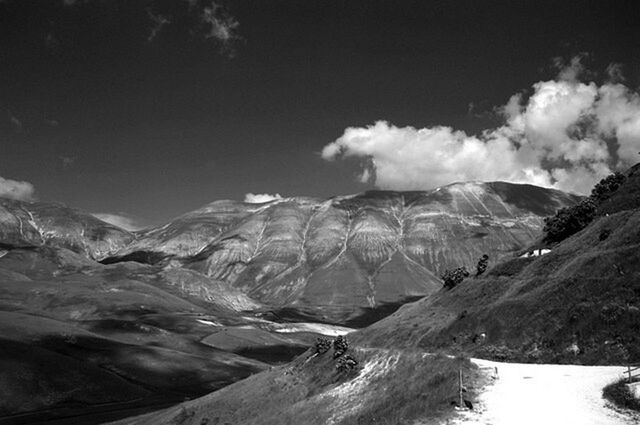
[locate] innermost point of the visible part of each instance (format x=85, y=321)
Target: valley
x=116, y=318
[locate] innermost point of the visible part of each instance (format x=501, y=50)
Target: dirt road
x=540, y=394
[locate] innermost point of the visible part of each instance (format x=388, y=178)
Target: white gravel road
x=540, y=394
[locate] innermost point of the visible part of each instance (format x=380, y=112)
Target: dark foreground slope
x=77, y=338
x=580, y=303
x=388, y=387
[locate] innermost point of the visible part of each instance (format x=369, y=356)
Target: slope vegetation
x=580, y=303
x=388, y=387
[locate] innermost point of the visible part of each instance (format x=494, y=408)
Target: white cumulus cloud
x=19, y=190
x=119, y=220
x=260, y=198
x=567, y=135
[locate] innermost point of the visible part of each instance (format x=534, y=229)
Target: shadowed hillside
x=387, y=387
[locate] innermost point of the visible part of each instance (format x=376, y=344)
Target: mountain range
x=99, y=323
x=575, y=301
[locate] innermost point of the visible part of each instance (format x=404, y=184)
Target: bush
x=568, y=221
x=607, y=187
x=452, y=278
x=481, y=267
x=500, y=353
x=619, y=394
x=323, y=345
x=340, y=346
x=346, y=363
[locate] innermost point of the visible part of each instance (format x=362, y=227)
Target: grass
x=75, y=336
x=388, y=387
x=419, y=388
x=619, y=394
x=585, y=291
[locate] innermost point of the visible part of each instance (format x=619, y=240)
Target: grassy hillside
x=387, y=387
x=580, y=303
x=76, y=335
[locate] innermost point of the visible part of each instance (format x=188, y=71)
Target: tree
x=346, y=363
x=452, y=278
x=323, y=345
x=606, y=187
x=481, y=267
x=340, y=345
x=568, y=221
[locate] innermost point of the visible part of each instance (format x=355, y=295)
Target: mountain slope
x=31, y=224
x=388, y=387
x=579, y=303
x=183, y=309
x=345, y=259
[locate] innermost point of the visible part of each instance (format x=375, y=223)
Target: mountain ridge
x=332, y=259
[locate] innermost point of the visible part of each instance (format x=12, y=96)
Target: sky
x=141, y=110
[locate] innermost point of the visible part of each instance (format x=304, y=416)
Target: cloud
x=122, y=221
x=220, y=26
x=570, y=71
x=19, y=190
x=260, y=198
x=15, y=122
x=566, y=135
x=158, y=21
x=614, y=72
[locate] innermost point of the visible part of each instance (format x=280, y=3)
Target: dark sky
x=97, y=116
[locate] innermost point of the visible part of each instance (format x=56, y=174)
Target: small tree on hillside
x=323, y=345
x=346, y=363
x=481, y=267
x=340, y=345
x=606, y=187
x=568, y=221
x=452, y=278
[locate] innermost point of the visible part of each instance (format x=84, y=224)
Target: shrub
x=346, y=363
x=568, y=221
x=481, y=267
x=604, y=234
x=452, y=278
x=607, y=187
x=619, y=394
x=500, y=353
x=340, y=346
x=322, y=345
